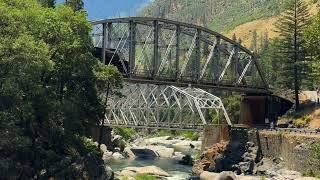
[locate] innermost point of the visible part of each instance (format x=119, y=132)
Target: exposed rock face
x=208, y=158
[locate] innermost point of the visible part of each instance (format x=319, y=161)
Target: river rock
x=186, y=144
x=226, y=175
x=155, y=140
x=106, y=155
x=208, y=158
x=117, y=155
x=144, y=153
x=186, y=160
x=205, y=175
x=128, y=153
x=163, y=152
x=152, y=152
x=151, y=170
x=178, y=156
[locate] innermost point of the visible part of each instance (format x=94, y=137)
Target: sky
x=101, y=9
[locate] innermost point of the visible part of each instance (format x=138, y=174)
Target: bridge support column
x=213, y=134
x=106, y=137
x=257, y=110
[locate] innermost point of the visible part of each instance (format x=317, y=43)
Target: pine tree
x=254, y=41
x=290, y=49
x=76, y=5
x=47, y=3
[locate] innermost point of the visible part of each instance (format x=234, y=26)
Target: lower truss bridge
x=165, y=107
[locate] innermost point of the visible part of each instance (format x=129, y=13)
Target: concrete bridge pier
x=105, y=137
x=213, y=134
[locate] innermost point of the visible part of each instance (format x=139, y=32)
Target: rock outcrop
x=208, y=158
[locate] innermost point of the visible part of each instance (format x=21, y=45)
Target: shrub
x=90, y=146
x=144, y=177
x=303, y=122
x=126, y=133
x=162, y=132
x=194, y=136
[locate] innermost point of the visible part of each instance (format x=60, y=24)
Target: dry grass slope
x=261, y=26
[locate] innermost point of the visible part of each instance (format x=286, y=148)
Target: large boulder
x=206, y=175
x=163, y=152
x=151, y=170
x=117, y=156
x=144, y=153
x=226, y=175
x=153, y=152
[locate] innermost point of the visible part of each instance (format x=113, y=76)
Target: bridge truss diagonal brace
x=166, y=107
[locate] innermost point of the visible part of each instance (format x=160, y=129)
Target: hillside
x=240, y=17
x=263, y=27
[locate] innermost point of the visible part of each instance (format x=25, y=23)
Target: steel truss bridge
x=164, y=52
x=164, y=107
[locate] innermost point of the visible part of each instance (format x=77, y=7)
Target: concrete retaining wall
x=213, y=134
x=292, y=147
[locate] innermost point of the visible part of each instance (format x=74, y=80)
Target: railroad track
x=288, y=130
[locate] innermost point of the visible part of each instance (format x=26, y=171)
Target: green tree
x=291, y=51
x=312, y=42
x=47, y=3
x=254, y=41
x=51, y=86
x=76, y=5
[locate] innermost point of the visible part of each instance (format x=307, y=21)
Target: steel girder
x=160, y=50
x=164, y=107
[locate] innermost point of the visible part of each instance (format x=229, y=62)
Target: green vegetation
x=219, y=15
x=47, y=3
x=76, y=5
x=51, y=87
x=312, y=43
x=314, y=159
x=291, y=51
x=232, y=105
x=144, y=177
x=126, y=133
x=303, y=122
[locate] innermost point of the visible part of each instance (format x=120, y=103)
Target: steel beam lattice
x=161, y=51
x=164, y=107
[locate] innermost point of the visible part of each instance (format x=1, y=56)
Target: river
x=177, y=171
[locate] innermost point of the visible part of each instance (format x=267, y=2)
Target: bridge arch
x=162, y=51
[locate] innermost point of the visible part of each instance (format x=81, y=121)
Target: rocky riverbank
x=233, y=160
x=178, y=150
